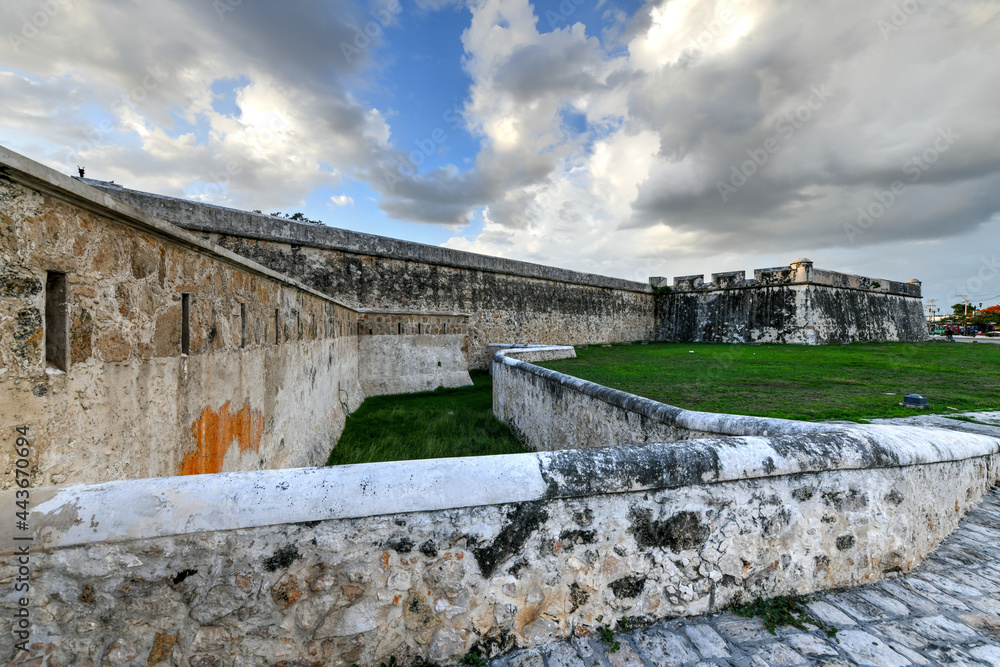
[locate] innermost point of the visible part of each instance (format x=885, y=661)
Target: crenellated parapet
x=799, y=272
x=374, y=322
x=796, y=303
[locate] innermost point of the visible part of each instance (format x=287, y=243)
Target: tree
x=986, y=316
x=297, y=217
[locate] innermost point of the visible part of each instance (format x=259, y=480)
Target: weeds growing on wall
x=781, y=610
x=295, y=217
x=471, y=658
x=607, y=635
x=474, y=659
x=660, y=295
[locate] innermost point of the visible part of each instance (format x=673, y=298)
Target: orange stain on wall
x=215, y=432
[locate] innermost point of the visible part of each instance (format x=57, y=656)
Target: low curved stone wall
x=549, y=410
x=354, y=564
x=163, y=354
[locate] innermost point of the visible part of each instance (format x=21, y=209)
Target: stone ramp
x=946, y=612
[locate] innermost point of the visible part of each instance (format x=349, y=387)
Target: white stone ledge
x=148, y=508
x=533, y=352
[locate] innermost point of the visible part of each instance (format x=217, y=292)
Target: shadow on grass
x=428, y=425
x=811, y=383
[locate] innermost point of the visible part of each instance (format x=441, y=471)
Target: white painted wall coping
x=149, y=508
x=533, y=352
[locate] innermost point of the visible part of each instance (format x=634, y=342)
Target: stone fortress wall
x=405, y=351
x=510, y=301
x=789, y=304
x=134, y=349
x=506, y=300
x=429, y=559
x=551, y=411
x=173, y=369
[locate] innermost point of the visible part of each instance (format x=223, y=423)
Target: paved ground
x=948, y=422
x=946, y=612
x=970, y=339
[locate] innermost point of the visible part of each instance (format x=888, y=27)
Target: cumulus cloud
x=127, y=90
x=743, y=132
x=692, y=135
x=341, y=200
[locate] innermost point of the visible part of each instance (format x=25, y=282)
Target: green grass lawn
x=792, y=381
x=428, y=425
x=849, y=382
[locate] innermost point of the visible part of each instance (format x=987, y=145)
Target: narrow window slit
x=56, y=321
x=185, y=324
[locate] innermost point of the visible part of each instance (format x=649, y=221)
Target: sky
x=631, y=139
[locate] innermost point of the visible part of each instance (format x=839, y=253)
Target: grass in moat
x=815, y=383
x=428, y=425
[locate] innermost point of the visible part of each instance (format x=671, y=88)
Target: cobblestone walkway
x=946, y=612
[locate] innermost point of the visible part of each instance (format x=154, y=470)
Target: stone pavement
x=970, y=339
x=984, y=423
x=946, y=612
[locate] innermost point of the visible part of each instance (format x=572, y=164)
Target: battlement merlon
x=799, y=272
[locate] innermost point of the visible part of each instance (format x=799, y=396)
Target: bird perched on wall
x=81, y=170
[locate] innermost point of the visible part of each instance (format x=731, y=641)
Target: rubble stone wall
x=257, y=388
x=506, y=301
x=354, y=564
x=550, y=411
x=790, y=304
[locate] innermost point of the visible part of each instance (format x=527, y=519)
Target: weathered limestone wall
x=406, y=351
x=509, y=301
x=551, y=411
x=354, y=564
x=130, y=403
x=792, y=304
x=404, y=364
x=506, y=300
